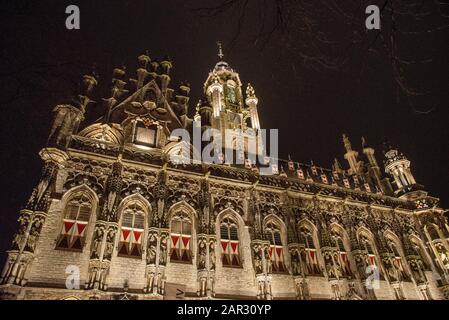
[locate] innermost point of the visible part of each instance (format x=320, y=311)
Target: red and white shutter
x=68, y=225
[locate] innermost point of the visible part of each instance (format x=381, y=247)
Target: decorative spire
x=337, y=166
x=347, y=143
x=364, y=143
x=87, y=84
x=351, y=156
x=220, y=50
x=250, y=92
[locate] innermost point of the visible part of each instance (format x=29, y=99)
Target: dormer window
x=145, y=135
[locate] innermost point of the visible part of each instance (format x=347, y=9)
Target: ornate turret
x=251, y=101
x=351, y=157
x=223, y=91
x=69, y=116
x=398, y=167
x=117, y=91
x=373, y=168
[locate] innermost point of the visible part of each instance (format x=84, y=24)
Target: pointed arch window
x=309, y=255
x=342, y=257
x=398, y=262
x=181, y=236
x=229, y=240
x=420, y=251
x=77, y=214
x=132, y=230
x=276, y=251
x=371, y=256
x=433, y=232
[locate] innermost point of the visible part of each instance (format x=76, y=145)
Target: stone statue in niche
x=212, y=255
x=417, y=271
x=110, y=240
x=268, y=261
x=34, y=234
x=257, y=254
x=295, y=262
x=163, y=250
x=390, y=269
x=360, y=262
x=336, y=291
x=202, y=284
x=329, y=265
x=202, y=253
x=151, y=280
x=98, y=240
x=443, y=254
x=24, y=221
x=337, y=265
x=151, y=248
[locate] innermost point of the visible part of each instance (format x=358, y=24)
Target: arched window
x=342, y=256
x=229, y=239
x=76, y=218
x=276, y=251
x=181, y=236
x=397, y=261
x=132, y=230
x=420, y=251
x=433, y=232
x=368, y=246
x=309, y=255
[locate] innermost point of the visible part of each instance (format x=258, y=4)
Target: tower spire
x=351, y=156
x=220, y=50
x=398, y=166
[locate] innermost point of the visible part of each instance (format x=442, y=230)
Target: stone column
x=262, y=268
x=297, y=271
x=157, y=255
x=32, y=219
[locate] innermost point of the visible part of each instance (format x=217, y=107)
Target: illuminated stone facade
x=136, y=225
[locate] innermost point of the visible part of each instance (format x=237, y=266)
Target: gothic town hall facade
x=112, y=217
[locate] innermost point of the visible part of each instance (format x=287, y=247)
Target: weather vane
x=220, y=50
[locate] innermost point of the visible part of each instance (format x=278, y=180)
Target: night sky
x=42, y=61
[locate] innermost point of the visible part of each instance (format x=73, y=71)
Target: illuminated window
x=420, y=251
x=309, y=255
x=342, y=257
x=229, y=243
x=276, y=251
x=181, y=236
x=132, y=231
x=371, y=256
x=145, y=135
x=398, y=262
x=76, y=218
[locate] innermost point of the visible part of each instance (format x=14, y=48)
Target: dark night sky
x=41, y=62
